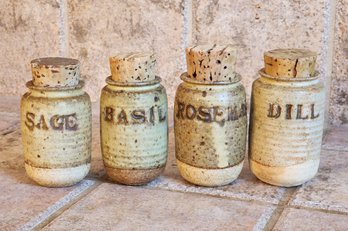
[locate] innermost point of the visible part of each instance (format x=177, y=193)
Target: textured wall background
x=91, y=31
x=338, y=108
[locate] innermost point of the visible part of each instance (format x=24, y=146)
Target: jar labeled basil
x=287, y=116
x=56, y=123
x=134, y=126
x=210, y=117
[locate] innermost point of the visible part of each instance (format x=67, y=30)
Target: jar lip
x=80, y=85
x=184, y=77
x=128, y=84
x=293, y=79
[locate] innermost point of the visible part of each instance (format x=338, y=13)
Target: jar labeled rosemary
x=210, y=117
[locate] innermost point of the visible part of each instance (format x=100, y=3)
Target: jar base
x=60, y=177
x=133, y=176
x=209, y=177
x=288, y=176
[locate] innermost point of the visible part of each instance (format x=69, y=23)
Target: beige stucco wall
x=91, y=31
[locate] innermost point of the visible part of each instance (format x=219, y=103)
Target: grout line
x=63, y=28
x=329, y=35
x=187, y=29
x=60, y=206
x=263, y=219
x=280, y=208
x=67, y=206
x=333, y=149
x=218, y=196
x=329, y=211
x=208, y=191
x=194, y=23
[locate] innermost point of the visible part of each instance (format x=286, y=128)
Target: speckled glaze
x=56, y=125
x=286, y=125
x=210, y=119
x=134, y=123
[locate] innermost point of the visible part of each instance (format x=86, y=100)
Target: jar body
x=56, y=135
x=286, y=127
x=210, y=124
x=134, y=132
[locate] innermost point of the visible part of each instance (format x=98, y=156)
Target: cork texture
x=293, y=63
x=211, y=63
x=55, y=72
x=133, y=67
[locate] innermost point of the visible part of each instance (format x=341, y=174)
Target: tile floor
x=169, y=203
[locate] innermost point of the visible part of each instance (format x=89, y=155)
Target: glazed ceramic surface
x=286, y=127
x=56, y=129
x=210, y=119
x=134, y=126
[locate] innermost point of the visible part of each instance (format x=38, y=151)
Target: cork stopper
x=55, y=72
x=133, y=67
x=290, y=63
x=211, y=63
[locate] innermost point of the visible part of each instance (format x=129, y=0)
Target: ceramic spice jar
x=286, y=121
x=134, y=120
x=56, y=123
x=210, y=117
